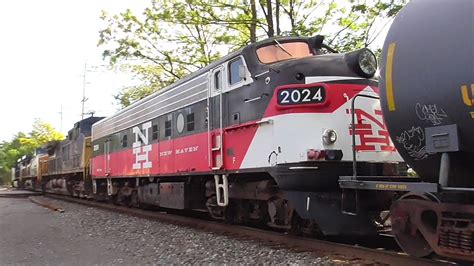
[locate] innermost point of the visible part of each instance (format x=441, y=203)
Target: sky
x=44, y=46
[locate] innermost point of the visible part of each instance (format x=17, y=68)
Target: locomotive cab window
x=217, y=81
x=234, y=70
x=283, y=51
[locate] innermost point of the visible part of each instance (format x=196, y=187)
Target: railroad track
x=336, y=251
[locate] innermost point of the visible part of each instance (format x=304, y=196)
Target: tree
x=358, y=28
x=25, y=144
x=42, y=133
x=169, y=41
x=173, y=38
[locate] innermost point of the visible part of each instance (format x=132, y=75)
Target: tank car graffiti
x=430, y=113
x=141, y=152
x=413, y=141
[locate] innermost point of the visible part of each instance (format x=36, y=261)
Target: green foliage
x=358, y=29
x=173, y=38
x=168, y=41
x=24, y=144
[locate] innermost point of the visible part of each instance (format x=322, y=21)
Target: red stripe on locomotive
x=182, y=155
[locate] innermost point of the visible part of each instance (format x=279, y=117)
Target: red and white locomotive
x=262, y=134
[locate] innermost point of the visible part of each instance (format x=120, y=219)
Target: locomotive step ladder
x=216, y=151
x=222, y=190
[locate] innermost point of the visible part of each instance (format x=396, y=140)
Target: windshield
x=283, y=51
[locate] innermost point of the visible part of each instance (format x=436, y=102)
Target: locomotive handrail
x=249, y=124
x=354, y=152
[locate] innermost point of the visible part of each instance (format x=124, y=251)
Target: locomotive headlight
x=367, y=62
x=363, y=62
x=329, y=136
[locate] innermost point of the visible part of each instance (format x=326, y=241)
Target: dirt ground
x=33, y=235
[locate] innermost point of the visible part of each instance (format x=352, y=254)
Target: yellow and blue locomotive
x=60, y=166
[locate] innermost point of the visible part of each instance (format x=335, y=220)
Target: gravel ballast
x=85, y=235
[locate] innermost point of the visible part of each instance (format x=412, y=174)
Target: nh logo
x=468, y=98
x=141, y=148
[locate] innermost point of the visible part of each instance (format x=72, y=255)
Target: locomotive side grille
x=456, y=234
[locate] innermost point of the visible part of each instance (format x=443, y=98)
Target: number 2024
x=303, y=96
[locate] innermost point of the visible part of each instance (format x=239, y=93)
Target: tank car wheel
x=406, y=233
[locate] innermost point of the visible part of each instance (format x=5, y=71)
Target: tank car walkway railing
x=353, y=131
x=389, y=183
x=351, y=185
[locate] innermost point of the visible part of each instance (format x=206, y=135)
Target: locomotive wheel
x=296, y=222
x=406, y=233
x=134, y=201
x=215, y=211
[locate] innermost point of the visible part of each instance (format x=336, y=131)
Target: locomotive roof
x=248, y=50
x=201, y=71
x=89, y=120
x=183, y=80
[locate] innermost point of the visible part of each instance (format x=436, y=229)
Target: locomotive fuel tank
x=427, y=87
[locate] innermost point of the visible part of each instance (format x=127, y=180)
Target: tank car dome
x=427, y=80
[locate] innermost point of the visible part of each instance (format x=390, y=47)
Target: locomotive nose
x=358, y=64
